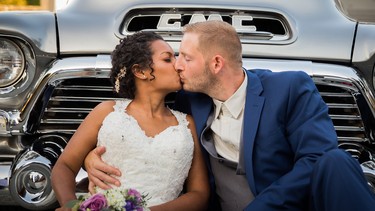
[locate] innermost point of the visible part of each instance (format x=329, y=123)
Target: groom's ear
x=217, y=63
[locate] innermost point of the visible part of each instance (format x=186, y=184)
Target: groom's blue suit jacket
x=286, y=128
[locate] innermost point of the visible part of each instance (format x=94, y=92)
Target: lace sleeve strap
x=181, y=118
x=120, y=105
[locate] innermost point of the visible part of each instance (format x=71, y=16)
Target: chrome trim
x=364, y=155
x=29, y=180
x=29, y=172
x=170, y=21
x=76, y=67
x=368, y=168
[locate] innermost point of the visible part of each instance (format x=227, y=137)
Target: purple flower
x=135, y=193
x=134, y=200
x=95, y=203
x=129, y=205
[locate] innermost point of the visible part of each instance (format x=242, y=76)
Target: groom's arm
x=99, y=172
x=310, y=133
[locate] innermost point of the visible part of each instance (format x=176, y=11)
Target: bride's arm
x=197, y=185
x=70, y=161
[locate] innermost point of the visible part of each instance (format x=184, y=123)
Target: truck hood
x=313, y=27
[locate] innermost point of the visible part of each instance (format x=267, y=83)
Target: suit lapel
x=253, y=108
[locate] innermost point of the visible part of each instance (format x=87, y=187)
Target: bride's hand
x=99, y=172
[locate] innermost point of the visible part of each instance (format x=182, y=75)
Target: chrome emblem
x=173, y=22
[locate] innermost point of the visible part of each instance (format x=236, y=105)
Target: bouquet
x=111, y=199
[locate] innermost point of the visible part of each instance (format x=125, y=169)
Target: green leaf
x=72, y=203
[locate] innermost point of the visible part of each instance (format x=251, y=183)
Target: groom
x=269, y=141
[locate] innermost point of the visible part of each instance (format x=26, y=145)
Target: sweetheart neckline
x=144, y=132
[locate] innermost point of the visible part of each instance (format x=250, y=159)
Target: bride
x=155, y=147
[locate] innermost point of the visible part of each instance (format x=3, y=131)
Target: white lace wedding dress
x=157, y=166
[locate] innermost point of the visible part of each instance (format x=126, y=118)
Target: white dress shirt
x=228, y=122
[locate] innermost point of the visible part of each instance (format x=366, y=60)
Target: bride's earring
x=143, y=74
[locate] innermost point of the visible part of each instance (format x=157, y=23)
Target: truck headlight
x=12, y=62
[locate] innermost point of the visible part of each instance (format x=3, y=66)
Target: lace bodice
x=157, y=166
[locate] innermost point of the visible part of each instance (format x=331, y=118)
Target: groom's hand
x=99, y=172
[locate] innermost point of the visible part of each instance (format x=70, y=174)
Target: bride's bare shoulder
x=103, y=108
x=106, y=104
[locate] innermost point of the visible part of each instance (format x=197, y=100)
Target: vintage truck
x=54, y=69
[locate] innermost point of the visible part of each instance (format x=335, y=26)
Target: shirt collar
x=235, y=103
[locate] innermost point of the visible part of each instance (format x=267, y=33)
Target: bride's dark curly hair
x=132, y=49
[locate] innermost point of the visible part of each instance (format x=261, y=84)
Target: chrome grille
x=344, y=112
x=73, y=99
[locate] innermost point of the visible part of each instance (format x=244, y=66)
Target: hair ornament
x=119, y=76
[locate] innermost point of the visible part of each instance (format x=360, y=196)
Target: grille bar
x=349, y=128
x=80, y=98
x=61, y=110
x=335, y=94
x=61, y=121
x=351, y=139
x=343, y=117
x=85, y=88
x=337, y=105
